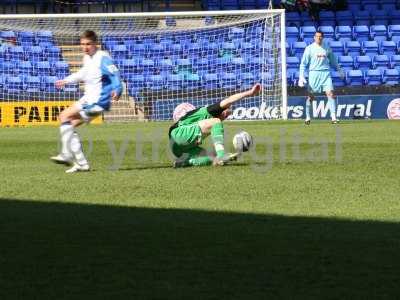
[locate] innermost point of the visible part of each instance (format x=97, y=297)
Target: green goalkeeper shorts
x=185, y=139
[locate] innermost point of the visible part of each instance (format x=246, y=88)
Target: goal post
x=164, y=59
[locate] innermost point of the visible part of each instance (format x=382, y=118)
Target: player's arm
x=305, y=61
x=226, y=103
x=110, y=69
x=73, y=78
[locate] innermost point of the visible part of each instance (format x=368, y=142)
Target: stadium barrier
x=348, y=107
x=30, y=113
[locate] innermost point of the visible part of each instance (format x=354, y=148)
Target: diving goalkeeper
x=191, y=126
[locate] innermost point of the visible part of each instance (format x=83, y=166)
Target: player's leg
x=87, y=112
x=332, y=105
x=214, y=127
x=309, y=100
x=69, y=119
x=196, y=156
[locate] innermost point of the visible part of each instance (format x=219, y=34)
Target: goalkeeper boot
x=227, y=158
x=78, y=168
x=62, y=159
x=335, y=121
x=180, y=163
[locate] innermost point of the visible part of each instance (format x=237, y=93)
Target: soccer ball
x=242, y=141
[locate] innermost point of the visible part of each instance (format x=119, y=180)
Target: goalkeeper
x=317, y=58
x=192, y=126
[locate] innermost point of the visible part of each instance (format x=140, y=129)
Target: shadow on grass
x=59, y=251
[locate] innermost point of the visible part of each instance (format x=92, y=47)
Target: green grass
x=269, y=226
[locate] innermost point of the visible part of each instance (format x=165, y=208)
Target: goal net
x=164, y=59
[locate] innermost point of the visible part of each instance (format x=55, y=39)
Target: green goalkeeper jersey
x=185, y=135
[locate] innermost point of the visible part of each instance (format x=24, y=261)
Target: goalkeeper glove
x=302, y=81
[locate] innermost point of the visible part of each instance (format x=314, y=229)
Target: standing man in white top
x=102, y=85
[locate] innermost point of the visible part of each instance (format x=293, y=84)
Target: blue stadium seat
x=45, y=36
x=42, y=68
x=53, y=54
x=380, y=62
x=362, y=17
x=7, y=67
x=307, y=33
x=229, y=80
x=26, y=38
x=395, y=62
x=14, y=84
x=355, y=78
x=378, y=32
x=380, y=17
x=34, y=53
x=373, y=77
x=388, y=48
x=155, y=82
x=148, y=65
x=328, y=31
x=246, y=80
x=48, y=83
x=363, y=62
x=353, y=48
x=388, y=6
x=2, y=81
x=370, y=48
x=344, y=18
x=192, y=82
x=136, y=81
x=174, y=82
x=8, y=35
x=391, y=76
x=24, y=67
x=211, y=81
x=128, y=66
x=61, y=68
x=346, y=62
x=298, y=49
x=119, y=51
x=371, y=6
x=292, y=34
x=343, y=33
x=327, y=18
x=361, y=33
x=247, y=48
x=337, y=81
x=337, y=47
x=139, y=49
x=237, y=33
x=238, y=63
x=394, y=16
x=354, y=7
x=394, y=32
x=16, y=53
x=293, y=19
x=33, y=84
x=165, y=64
x=183, y=65
x=292, y=63
x=4, y=54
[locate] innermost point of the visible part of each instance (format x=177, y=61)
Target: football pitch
x=312, y=212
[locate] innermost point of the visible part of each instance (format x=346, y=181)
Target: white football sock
x=66, y=131
x=76, y=147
